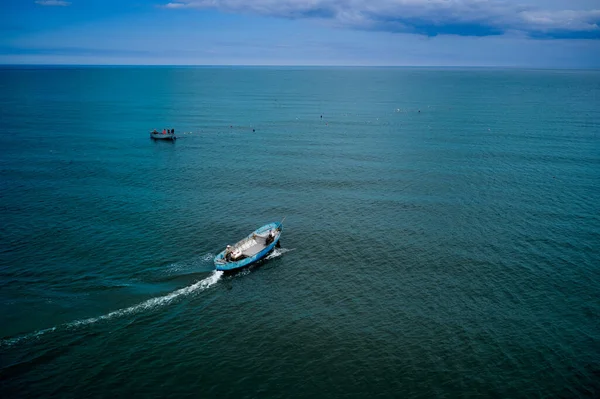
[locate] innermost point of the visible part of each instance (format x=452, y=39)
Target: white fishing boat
x=166, y=134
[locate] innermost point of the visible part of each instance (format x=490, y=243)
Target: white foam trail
x=12, y=341
x=154, y=302
x=278, y=252
x=146, y=305
x=190, y=265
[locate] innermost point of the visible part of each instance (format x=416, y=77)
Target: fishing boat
x=250, y=249
x=164, y=135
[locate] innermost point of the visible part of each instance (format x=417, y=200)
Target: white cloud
x=176, y=5
x=565, y=20
x=59, y=3
x=427, y=17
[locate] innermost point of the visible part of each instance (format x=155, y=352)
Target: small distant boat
x=251, y=249
x=164, y=135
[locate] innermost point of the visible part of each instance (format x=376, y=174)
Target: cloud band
x=426, y=17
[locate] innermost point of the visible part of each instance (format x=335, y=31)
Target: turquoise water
x=441, y=237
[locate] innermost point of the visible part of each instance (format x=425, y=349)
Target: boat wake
x=154, y=302
x=150, y=304
x=201, y=263
x=277, y=252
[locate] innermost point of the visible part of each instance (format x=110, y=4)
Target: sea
x=441, y=232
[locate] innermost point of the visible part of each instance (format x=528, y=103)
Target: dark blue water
x=442, y=232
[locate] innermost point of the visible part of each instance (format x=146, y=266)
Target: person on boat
x=164, y=131
x=228, y=253
x=173, y=131
x=270, y=237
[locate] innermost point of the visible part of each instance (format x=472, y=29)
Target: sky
x=499, y=33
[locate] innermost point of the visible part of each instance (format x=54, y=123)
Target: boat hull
x=221, y=265
x=160, y=136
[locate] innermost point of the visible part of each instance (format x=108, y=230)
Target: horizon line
x=297, y=66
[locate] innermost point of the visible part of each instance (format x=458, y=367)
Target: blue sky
x=527, y=33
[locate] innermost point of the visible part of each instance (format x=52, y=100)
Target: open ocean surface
x=442, y=232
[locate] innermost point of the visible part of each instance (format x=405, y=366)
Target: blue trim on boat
x=219, y=260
